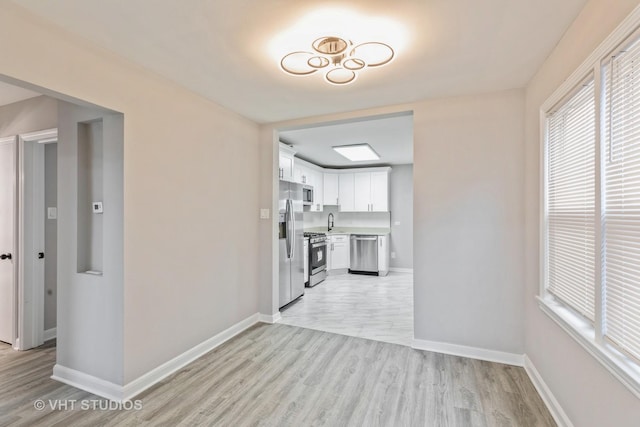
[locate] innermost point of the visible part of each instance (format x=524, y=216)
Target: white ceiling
x=391, y=137
x=221, y=49
x=10, y=94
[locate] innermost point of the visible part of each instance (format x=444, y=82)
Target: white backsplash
x=347, y=219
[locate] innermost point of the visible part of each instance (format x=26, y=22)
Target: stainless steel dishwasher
x=364, y=254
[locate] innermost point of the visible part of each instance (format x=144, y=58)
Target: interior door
x=7, y=237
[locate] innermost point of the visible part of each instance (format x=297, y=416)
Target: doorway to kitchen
x=356, y=209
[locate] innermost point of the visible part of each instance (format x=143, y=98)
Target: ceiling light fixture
x=357, y=152
x=339, y=58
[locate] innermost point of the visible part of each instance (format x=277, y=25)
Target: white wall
x=28, y=116
x=190, y=192
x=468, y=221
x=90, y=307
x=587, y=392
x=468, y=218
x=401, y=195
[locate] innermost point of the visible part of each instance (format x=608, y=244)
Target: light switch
x=52, y=213
x=264, y=213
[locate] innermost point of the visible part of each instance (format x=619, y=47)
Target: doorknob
x=5, y=256
x=40, y=255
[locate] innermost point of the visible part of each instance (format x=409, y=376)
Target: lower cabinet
x=338, y=257
x=383, y=255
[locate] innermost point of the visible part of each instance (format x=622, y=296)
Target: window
x=621, y=200
x=571, y=201
x=592, y=210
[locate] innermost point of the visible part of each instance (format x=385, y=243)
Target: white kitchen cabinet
x=362, y=191
x=331, y=188
x=371, y=191
x=379, y=192
x=317, y=182
x=383, y=255
x=338, y=252
x=346, y=194
x=286, y=167
x=302, y=174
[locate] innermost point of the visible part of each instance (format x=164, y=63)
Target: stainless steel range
x=317, y=257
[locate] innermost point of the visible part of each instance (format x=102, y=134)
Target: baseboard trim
x=470, y=352
x=87, y=382
x=401, y=270
x=50, y=334
x=156, y=375
x=544, y=391
x=270, y=318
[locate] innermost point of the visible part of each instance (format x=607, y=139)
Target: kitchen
x=348, y=203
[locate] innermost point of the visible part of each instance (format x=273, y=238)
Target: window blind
x=621, y=207
x=570, y=204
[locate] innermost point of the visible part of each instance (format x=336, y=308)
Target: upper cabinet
x=285, y=170
x=346, y=195
x=317, y=181
x=380, y=191
x=331, y=186
x=352, y=190
x=370, y=192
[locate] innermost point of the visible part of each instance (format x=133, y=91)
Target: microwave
x=307, y=195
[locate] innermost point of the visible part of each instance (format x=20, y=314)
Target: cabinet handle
x=337, y=202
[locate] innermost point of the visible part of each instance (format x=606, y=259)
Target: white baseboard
x=270, y=318
x=87, y=382
x=470, y=352
x=50, y=334
x=401, y=270
x=152, y=377
x=549, y=399
x=119, y=393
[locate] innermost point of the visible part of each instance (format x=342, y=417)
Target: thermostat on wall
x=97, y=207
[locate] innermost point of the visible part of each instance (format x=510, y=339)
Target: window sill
x=622, y=367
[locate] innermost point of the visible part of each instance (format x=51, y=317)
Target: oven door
x=317, y=257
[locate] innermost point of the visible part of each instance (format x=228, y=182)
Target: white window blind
x=570, y=204
x=621, y=207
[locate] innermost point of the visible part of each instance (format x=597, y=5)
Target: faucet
x=330, y=221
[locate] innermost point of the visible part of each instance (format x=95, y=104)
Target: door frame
x=31, y=218
x=14, y=288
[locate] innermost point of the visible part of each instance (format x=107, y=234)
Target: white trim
x=14, y=289
x=50, y=334
x=619, y=365
x=270, y=318
x=45, y=136
x=30, y=240
x=549, y=399
x=156, y=375
x=401, y=270
x=470, y=352
x=87, y=382
x=607, y=46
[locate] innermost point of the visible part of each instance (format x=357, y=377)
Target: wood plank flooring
x=281, y=375
x=377, y=308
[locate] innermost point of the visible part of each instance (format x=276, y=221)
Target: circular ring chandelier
x=338, y=58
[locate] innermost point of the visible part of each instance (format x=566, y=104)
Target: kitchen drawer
x=335, y=238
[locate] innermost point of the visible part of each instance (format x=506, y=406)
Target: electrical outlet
x=393, y=255
x=264, y=213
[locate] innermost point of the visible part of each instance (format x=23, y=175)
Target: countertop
x=377, y=231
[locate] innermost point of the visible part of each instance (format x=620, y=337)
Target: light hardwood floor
x=377, y=308
x=281, y=375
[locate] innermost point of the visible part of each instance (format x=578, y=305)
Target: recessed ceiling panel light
x=357, y=152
